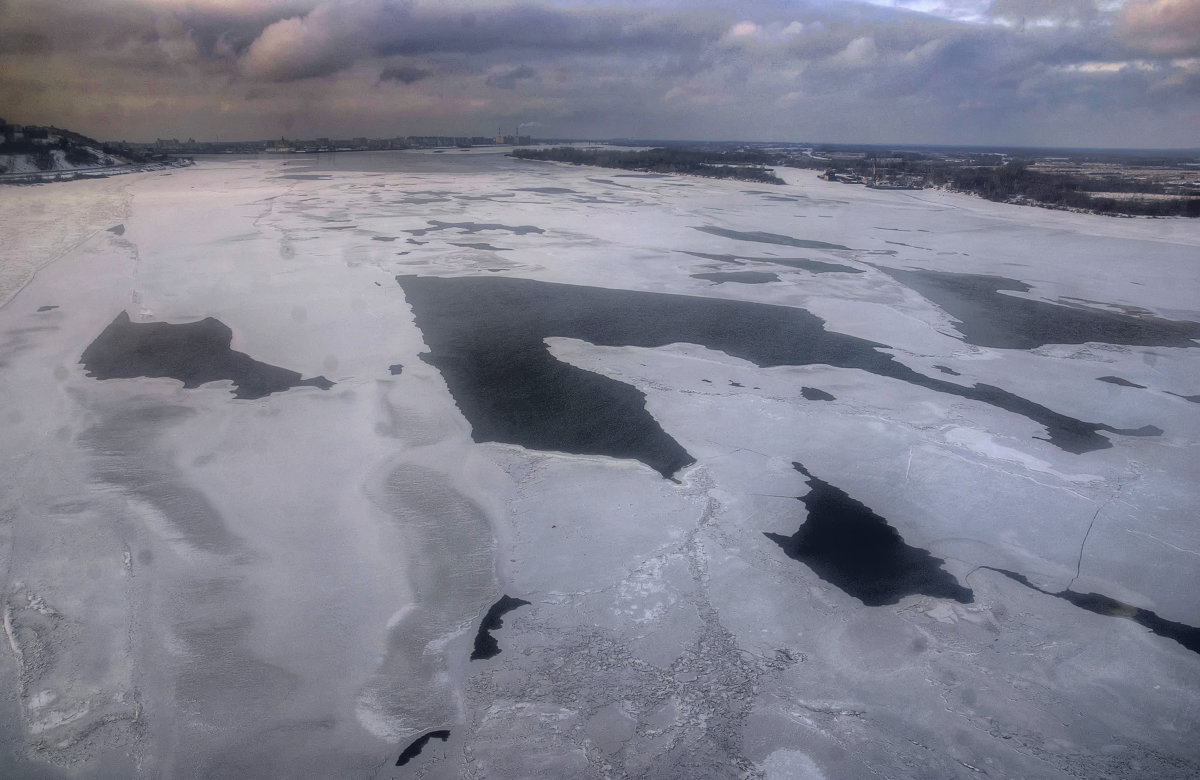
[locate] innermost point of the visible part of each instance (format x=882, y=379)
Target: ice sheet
x=197, y=584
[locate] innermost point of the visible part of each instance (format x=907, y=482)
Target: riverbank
x=97, y=172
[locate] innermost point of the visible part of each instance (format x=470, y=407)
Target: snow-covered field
x=268, y=576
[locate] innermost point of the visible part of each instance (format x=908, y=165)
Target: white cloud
x=744, y=30
x=859, y=52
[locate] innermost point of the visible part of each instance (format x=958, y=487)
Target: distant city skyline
x=1080, y=73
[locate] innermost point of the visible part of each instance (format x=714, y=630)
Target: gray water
x=486, y=336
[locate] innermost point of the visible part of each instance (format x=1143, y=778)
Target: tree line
x=42, y=155
x=740, y=165
x=1015, y=181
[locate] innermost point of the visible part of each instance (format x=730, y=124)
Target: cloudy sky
x=1022, y=72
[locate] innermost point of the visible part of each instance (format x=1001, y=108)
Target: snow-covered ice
x=205, y=582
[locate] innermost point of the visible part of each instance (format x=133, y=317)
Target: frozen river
x=451, y=465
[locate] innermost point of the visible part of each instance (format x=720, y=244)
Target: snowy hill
x=30, y=153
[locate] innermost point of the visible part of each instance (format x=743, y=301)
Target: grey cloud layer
x=334, y=35
x=1020, y=71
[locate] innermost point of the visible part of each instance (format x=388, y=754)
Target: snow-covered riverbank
x=27, y=173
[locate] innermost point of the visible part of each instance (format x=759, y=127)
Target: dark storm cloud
x=405, y=74
x=335, y=35
x=227, y=30
x=139, y=32
x=1035, y=10
x=507, y=79
x=557, y=30
x=1036, y=71
x=28, y=27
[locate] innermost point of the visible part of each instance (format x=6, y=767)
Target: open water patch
x=493, y=196
x=592, y=199
x=801, y=263
x=474, y=227
x=1193, y=398
x=775, y=197
x=849, y=546
x=486, y=645
x=193, y=353
x=480, y=245
x=910, y=246
x=609, y=182
x=417, y=745
x=812, y=266
x=768, y=195
x=815, y=394
x=740, y=277
x=486, y=335
x=41, y=309
x=760, y=237
x=547, y=190
x=1188, y=636
x=720, y=258
x=989, y=318
x=1116, y=380
x=418, y=201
